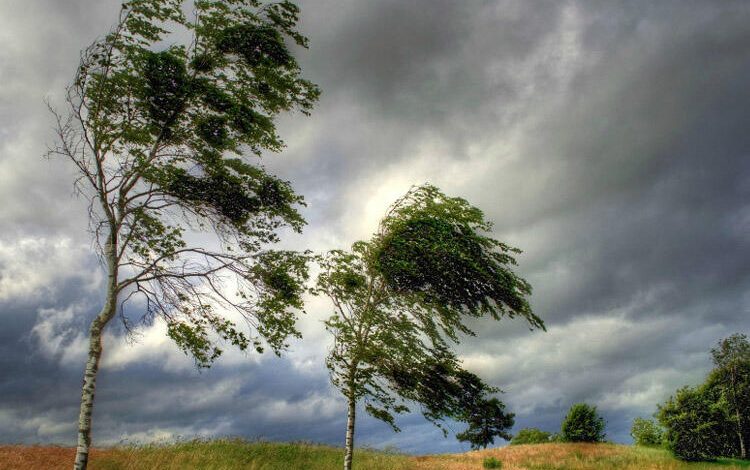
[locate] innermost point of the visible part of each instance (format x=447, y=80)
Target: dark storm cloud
x=41, y=44
x=608, y=140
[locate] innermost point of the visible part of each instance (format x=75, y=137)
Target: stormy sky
x=610, y=141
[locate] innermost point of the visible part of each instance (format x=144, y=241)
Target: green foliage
x=282, y=275
x=647, y=433
x=432, y=251
x=487, y=420
x=583, y=424
x=730, y=351
x=731, y=379
x=443, y=389
x=531, y=436
x=491, y=462
x=695, y=424
x=160, y=124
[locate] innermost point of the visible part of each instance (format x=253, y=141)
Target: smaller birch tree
x=400, y=301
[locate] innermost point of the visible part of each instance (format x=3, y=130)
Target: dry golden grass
x=569, y=457
x=221, y=454
x=42, y=458
x=237, y=454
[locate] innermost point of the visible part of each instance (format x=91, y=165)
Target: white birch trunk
x=92, y=364
x=738, y=415
x=351, y=397
x=743, y=453
x=349, y=444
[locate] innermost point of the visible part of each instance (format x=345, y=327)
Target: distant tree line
x=699, y=423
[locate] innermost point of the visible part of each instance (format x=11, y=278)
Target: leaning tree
x=400, y=301
x=163, y=121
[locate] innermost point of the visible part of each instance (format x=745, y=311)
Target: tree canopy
x=583, y=424
x=696, y=426
x=158, y=130
x=433, y=253
x=645, y=432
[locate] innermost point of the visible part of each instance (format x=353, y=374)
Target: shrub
x=645, y=432
x=492, y=462
x=531, y=436
x=697, y=425
x=583, y=424
x=712, y=419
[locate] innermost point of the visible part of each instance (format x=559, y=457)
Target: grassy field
x=235, y=454
x=572, y=457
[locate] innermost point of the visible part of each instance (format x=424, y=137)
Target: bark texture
x=743, y=453
x=92, y=366
x=350, y=418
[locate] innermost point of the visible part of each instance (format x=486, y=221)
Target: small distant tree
x=401, y=298
x=583, y=424
x=732, y=377
x=487, y=420
x=645, y=432
x=531, y=436
x=159, y=127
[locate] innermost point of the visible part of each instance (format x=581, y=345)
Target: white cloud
x=59, y=336
x=35, y=266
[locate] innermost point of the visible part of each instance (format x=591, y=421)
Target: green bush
x=645, y=432
x=531, y=436
x=698, y=428
x=492, y=462
x=713, y=419
x=583, y=424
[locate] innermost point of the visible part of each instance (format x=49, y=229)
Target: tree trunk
x=351, y=397
x=350, y=418
x=743, y=453
x=733, y=383
x=92, y=364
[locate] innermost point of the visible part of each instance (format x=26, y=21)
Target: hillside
x=235, y=454
x=572, y=457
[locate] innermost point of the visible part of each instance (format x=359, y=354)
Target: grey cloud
x=41, y=44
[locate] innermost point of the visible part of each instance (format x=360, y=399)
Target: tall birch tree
x=402, y=299
x=163, y=121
